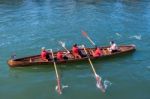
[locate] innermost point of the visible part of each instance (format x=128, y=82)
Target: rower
x=113, y=47
x=97, y=52
x=13, y=56
x=44, y=54
x=62, y=55
x=75, y=51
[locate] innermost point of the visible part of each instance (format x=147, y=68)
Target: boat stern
x=10, y=62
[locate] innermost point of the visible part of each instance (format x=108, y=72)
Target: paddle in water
x=58, y=87
x=98, y=78
x=99, y=83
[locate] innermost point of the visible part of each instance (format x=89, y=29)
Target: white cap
x=43, y=48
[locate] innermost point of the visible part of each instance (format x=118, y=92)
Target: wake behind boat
x=36, y=59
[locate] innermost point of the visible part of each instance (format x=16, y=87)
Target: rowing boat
x=36, y=59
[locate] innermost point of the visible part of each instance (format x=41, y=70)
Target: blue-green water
x=27, y=25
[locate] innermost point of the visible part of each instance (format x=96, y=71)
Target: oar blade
x=58, y=87
x=62, y=43
x=84, y=33
x=99, y=83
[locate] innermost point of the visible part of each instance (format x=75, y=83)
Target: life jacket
x=75, y=50
x=43, y=54
x=97, y=53
x=59, y=56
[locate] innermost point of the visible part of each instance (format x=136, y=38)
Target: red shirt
x=43, y=54
x=97, y=53
x=60, y=56
x=75, y=50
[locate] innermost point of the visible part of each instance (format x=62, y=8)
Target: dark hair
x=95, y=46
x=75, y=45
x=112, y=42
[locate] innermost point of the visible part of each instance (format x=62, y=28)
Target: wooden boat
x=36, y=59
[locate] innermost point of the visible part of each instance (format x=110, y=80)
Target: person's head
x=95, y=47
x=75, y=45
x=111, y=42
x=43, y=48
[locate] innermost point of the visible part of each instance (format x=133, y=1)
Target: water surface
x=28, y=25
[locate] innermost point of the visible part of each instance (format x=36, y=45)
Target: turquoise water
x=28, y=25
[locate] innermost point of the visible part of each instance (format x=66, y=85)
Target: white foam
x=56, y=88
x=101, y=86
x=64, y=86
x=138, y=37
x=118, y=34
x=99, y=83
x=106, y=84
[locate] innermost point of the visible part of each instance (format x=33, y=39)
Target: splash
x=63, y=87
x=56, y=88
x=106, y=84
x=99, y=83
x=138, y=37
x=103, y=85
x=118, y=34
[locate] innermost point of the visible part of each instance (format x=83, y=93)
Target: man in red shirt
x=97, y=52
x=75, y=51
x=60, y=55
x=44, y=54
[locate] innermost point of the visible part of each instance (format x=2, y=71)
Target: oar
x=85, y=34
x=98, y=78
x=57, y=76
x=63, y=45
